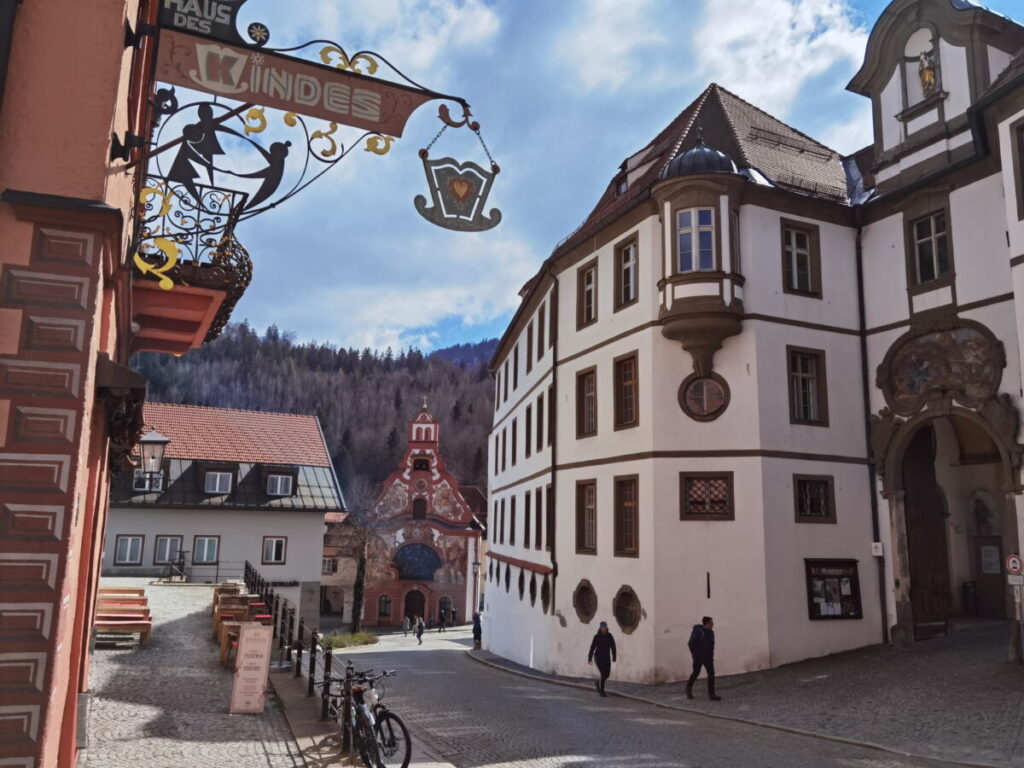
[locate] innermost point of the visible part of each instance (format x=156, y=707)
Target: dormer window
x=217, y=482
x=695, y=240
x=622, y=185
x=421, y=465
x=147, y=481
x=280, y=485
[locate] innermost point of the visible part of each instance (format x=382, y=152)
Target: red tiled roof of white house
x=335, y=517
x=226, y=434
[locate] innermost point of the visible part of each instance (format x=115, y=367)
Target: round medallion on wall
x=703, y=398
x=421, y=485
x=626, y=607
x=584, y=600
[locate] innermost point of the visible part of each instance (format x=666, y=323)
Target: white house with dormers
x=775, y=385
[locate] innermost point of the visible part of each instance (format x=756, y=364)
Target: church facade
x=775, y=385
x=425, y=538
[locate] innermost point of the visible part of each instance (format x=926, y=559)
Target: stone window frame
x=686, y=515
x=619, y=390
x=821, y=380
x=631, y=241
x=813, y=232
x=263, y=550
x=581, y=517
x=501, y=524
x=195, y=549
x=625, y=592
x=328, y=566
x=620, y=550
x=552, y=414
x=927, y=203
x=1017, y=160
x=585, y=616
x=142, y=548
x=156, y=547
x=581, y=273
x=830, y=498
x=580, y=375
x=504, y=448
x=716, y=236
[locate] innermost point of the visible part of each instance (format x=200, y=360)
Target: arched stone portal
x=415, y=603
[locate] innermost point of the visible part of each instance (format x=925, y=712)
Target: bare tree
x=363, y=525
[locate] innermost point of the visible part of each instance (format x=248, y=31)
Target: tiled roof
x=335, y=517
x=752, y=137
x=225, y=434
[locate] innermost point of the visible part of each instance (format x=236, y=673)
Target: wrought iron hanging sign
x=275, y=124
x=458, y=190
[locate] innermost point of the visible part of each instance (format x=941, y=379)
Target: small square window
x=706, y=496
x=274, y=550
x=279, y=485
x=217, y=482
x=329, y=566
x=814, y=499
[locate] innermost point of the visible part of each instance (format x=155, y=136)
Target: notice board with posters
x=833, y=589
x=252, y=668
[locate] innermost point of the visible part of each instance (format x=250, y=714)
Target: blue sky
x=564, y=91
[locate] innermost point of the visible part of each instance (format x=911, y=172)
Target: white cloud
x=607, y=44
x=851, y=134
x=766, y=51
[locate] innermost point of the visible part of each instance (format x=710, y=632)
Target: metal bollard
x=297, y=645
x=312, y=663
x=346, y=711
x=324, y=708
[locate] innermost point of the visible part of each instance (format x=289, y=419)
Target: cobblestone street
x=476, y=716
x=165, y=705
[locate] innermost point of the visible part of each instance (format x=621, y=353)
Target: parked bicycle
x=379, y=736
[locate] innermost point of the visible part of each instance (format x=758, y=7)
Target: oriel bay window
x=586, y=516
x=586, y=403
x=801, y=259
x=627, y=525
x=274, y=550
x=706, y=496
x=695, y=240
x=625, y=273
x=586, y=295
x=626, y=390
x=808, y=398
x=930, y=248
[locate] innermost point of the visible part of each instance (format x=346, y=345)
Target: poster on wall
x=991, y=562
x=833, y=589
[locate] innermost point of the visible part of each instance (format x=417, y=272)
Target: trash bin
x=970, y=598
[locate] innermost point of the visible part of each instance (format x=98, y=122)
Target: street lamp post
x=152, y=446
x=476, y=584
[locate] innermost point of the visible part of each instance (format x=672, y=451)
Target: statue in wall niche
x=983, y=515
x=926, y=71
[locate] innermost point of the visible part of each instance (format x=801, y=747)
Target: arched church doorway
x=415, y=603
x=957, y=517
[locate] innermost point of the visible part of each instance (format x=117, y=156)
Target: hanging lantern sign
x=458, y=191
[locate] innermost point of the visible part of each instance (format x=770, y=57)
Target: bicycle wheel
x=394, y=744
x=367, y=745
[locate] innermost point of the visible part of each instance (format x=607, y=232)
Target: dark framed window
x=128, y=549
x=808, y=392
x=549, y=519
x=419, y=509
x=627, y=516
x=833, y=589
x=512, y=521
x=538, y=513
x=527, y=518
x=703, y=398
x=626, y=273
x=205, y=550
x=515, y=442
x=540, y=422
x=586, y=516
x=552, y=412
x=275, y=550
x=504, y=445
x=529, y=347
x=586, y=403
x=540, y=332
x=528, y=435
x=930, y=247
x=421, y=465
x=586, y=295
x=217, y=482
x=552, y=322
x=328, y=565
x=626, y=608
x=801, y=259
x=166, y=549
x=706, y=496
x=504, y=381
x=1017, y=153
x=384, y=607
x=625, y=371
x=584, y=600
x=497, y=391
x=497, y=452
x=515, y=367
x=695, y=240
x=814, y=498
x=501, y=524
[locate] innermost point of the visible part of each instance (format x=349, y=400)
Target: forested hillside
x=364, y=399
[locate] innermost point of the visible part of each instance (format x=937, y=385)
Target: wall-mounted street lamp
x=151, y=447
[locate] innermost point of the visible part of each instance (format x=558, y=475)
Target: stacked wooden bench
x=123, y=611
x=232, y=608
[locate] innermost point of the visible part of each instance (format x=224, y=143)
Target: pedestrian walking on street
x=454, y=620
x=702, y=648
x=406, y=626
x=602, y=653
x=478, y=630
x=419, y=629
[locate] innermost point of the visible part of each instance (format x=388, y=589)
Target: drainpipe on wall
x=866, y=395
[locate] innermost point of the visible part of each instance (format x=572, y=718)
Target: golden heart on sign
x=460, y=188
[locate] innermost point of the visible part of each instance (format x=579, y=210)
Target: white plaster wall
x=792, y=634
x=997, y=61
x=890, y=103
x=954, y=78
x=1013, y=225
x=980, y=252
x=885, y=269
x=517, y=630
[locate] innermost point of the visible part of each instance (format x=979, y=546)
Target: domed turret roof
x=699, y=159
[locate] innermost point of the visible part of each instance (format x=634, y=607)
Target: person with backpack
x=702, y=649
x=602, y=653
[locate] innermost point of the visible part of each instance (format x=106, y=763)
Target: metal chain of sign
x=458, y=191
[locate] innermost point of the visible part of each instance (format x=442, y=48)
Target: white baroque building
x=775, y=385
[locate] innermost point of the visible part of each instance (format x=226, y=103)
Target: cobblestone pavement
x=477, y=716
x=165, y=705
x=955, y=698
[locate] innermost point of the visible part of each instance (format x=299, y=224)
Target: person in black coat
x=702, y=648
x=478, y=630
x=602, y=653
